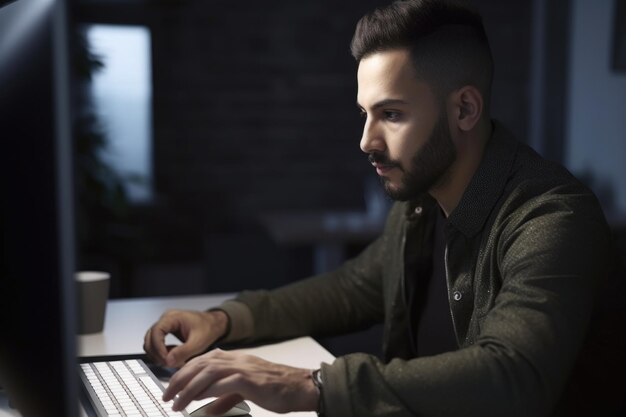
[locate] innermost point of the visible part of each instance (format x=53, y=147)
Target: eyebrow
x=384, y=103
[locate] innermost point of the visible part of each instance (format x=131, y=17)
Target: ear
x=467, y=106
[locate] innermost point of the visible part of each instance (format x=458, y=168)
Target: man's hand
x=198, y=330
x=234, y=376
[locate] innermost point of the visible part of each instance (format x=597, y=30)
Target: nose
x=372, y=139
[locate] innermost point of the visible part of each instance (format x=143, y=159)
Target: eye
x=392, y=115
x=362, y=113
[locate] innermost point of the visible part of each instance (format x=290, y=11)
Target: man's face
x=406, y=131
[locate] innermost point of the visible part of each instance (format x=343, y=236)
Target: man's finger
x=178, y=355
x=155, y=345
x=188, y=387
x=156, y=352
x=179, y=380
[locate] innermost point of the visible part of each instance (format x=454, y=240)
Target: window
x=122, y=96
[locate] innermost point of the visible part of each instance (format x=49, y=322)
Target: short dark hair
x=447, y=41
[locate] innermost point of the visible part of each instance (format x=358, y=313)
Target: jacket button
x=457, y=296
x=418, y=210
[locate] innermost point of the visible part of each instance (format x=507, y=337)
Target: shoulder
x=536, y=185
x=546, y=213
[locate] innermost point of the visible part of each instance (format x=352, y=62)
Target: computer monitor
x=37, y=340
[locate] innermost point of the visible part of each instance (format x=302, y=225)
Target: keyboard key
x=125, y=388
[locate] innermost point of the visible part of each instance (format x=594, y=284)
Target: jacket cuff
x=336, y=394
x=241, y=325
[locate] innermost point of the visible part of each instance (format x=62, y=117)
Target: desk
x=127, y=321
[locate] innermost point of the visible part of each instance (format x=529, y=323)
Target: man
x=483, y=277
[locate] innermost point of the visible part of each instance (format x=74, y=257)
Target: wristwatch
x=316, y=376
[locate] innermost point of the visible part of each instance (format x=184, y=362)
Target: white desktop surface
x=128, y=319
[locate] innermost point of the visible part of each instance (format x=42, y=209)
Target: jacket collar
x=483, y=191
x=487, y=184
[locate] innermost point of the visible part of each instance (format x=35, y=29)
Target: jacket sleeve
x=345, y=300
x=550, y=257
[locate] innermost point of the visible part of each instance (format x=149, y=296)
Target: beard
x=429, y=166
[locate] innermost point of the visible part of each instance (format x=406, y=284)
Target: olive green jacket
x=526, y=248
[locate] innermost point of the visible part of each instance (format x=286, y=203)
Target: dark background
x=254, y=112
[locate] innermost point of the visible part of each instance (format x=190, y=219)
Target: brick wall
x=254, y=109
x=254, y=103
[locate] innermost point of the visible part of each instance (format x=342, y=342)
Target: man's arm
x=341, y=301
x=345, y=300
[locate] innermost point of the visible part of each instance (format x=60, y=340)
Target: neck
x=470, y=149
